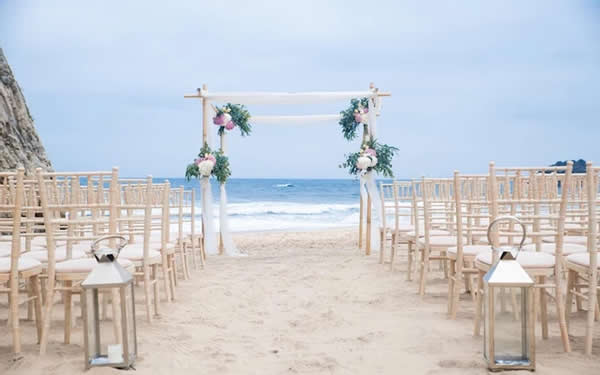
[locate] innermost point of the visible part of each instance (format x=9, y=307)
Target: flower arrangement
x=231, y=115
x=353, y=116
x=372, y=156
x=209, y=163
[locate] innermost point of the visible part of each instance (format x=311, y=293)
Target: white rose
x=227, y=118
x=364, y=118
x=206, y=167
x=363, y=162
x=373, y=161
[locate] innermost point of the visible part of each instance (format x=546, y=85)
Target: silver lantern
x=509, y=341
x=109, y=277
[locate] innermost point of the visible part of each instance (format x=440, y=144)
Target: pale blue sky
x=512, y=81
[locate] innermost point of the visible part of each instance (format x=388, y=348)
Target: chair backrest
x=592, y=183
x=537, y=195
x=77, y=206
x=12, y=193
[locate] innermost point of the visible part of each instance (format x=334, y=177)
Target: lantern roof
x=107, y=274
x=507, y=272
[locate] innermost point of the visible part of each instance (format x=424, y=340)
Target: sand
x=302, y=303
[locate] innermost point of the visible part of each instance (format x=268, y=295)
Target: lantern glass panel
x=93, y=319
x=510, y=326
x=131, y=329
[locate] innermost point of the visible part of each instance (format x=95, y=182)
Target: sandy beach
x=301, y=303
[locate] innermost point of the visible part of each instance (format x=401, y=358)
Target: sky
x=512, y=81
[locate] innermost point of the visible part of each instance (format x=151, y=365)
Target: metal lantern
x=509, y=341
x=108, y=276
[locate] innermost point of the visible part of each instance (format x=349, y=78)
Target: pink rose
x=371, y=152
x=211, y=158
x=219, y=120
x=365, y=110
x=357, y=117
x=230, y=125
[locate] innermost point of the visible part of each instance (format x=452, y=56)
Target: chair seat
x=442, y=241
x=525, y=259
x=60, y=255
x=23, y=265
x=579, y=240
x=135, y=252
x=401, y=227
x=433, y=232
x=582, y=259
x=503, y=240
x=550, y=248
x=471, y=249
x=84, y=265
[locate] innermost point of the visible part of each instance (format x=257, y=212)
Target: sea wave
x=289, y=208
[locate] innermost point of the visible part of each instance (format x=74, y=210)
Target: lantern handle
x=120, y=246
x=507, y=218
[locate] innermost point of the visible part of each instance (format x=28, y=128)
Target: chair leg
x=424, y=270
x=571, y=279
x=14, y=316
x=156, y=288
x=543, y=308
x=166, y=277
x=560, y=312
x=146, y=272
x=67, y=297
x=381, y=245
x=393, y=254
x=37, y=305
x=409, y=273
x=451, y=286
x=479, y=304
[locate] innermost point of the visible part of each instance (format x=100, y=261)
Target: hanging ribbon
x=210, y=239
x=367, y=184
x=228, y=244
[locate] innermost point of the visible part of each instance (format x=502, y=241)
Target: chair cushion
x=401, y=227
x=580, y=240
x=84, y=265
x=433, y=232
x=550, y=248
x=583, y=259
x=136, y=252
x=443, y=241
x=24, y=264
x=60, y=255
x=525, y=259
x=471, y=249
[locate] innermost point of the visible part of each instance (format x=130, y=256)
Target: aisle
x=304, y=303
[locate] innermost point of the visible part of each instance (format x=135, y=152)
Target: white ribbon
x=228, y=244
x=210, y=239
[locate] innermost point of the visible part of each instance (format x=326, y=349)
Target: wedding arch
x=369, y=196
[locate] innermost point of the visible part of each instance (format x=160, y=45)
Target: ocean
x=284, y=204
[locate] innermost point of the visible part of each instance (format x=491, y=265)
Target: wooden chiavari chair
x=471, y=211
x=136, y=221
x=73, y=217
x=583, y=267
x=396, y=202
x=438, y=227
x=15, y=268
x=533, y=195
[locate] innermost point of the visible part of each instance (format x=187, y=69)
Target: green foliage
x=239, y=115
x=221, y=170
x=347, y=122
x=385, y=154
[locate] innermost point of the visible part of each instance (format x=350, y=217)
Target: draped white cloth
x=315, y=97
x=228, y=244
x=210, y=237
x=367, y=184
x=294, y=120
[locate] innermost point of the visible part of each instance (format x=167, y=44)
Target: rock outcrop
x=20, y=145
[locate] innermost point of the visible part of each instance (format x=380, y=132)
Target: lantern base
x=103, y=361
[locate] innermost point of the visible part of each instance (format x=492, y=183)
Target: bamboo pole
x=221, y=247
x=360, y=222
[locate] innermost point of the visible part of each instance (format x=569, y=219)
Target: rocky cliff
x=20, y=145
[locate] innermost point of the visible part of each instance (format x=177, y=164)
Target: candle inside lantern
x=115, y=353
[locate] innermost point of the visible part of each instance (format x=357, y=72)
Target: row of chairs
x=48, y=222
x=444, y=221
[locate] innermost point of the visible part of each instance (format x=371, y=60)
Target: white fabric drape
x=315, y=97
x=210, y=238
x=367, y=184
x=294, y=120
x=228, y=244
